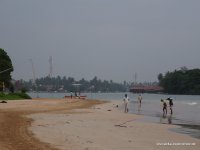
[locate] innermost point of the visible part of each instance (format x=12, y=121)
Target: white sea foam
x=191, y=103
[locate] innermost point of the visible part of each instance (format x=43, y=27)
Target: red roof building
x=146, y=89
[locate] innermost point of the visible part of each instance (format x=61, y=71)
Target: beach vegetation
x=183, y=81
x=14, y=96
x=6, y=68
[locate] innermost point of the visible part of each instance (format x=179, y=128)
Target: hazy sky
x=110, y=39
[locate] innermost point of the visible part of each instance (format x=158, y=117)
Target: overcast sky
x=110, y=39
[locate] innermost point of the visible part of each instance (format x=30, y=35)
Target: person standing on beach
x=71, y=95
x=140, y=99
x=126, y=100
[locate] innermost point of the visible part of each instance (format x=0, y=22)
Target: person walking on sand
x=126, y=100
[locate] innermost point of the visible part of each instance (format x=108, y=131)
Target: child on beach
x=126, y=100
x=171, y=105
x=164, y=107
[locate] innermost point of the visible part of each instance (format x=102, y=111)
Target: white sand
x=95, y=129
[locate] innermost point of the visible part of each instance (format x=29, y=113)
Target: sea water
x=186, y=109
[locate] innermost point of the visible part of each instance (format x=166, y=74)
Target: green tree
x=183, y=81
x=6, y=68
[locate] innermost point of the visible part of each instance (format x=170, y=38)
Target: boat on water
x=76, y=97
x=146, y=89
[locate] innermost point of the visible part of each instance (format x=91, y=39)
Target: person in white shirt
x=140, y=99
x=126, y=100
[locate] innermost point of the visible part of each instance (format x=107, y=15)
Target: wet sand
x=82, y=125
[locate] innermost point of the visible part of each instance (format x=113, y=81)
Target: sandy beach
x=61, y=124
x=14, y=125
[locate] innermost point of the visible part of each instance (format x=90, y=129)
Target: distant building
x=146, y=89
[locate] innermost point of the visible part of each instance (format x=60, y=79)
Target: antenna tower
x=135, y=76
x=50, y=67
x=33, y=71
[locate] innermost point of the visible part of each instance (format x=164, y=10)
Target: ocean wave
x=191, y=103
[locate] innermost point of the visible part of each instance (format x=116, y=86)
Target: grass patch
x=14, y=96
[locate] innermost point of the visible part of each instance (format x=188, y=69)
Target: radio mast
x=33, y=71
x=135, y=78
x=50, y=67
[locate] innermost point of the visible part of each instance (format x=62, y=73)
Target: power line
x=5, y=70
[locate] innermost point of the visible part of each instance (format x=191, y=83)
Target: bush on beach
x=14, y=96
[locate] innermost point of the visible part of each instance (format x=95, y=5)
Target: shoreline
x=82, y=124
x=188, y=129
x=185, y=127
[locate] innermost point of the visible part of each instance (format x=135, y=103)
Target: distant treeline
x=181, y=81
x=71, y=85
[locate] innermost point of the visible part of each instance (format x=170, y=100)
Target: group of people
x=168, y=101
x=126, y=101
x=165, y=103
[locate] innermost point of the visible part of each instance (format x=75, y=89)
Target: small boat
x=76, y=97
